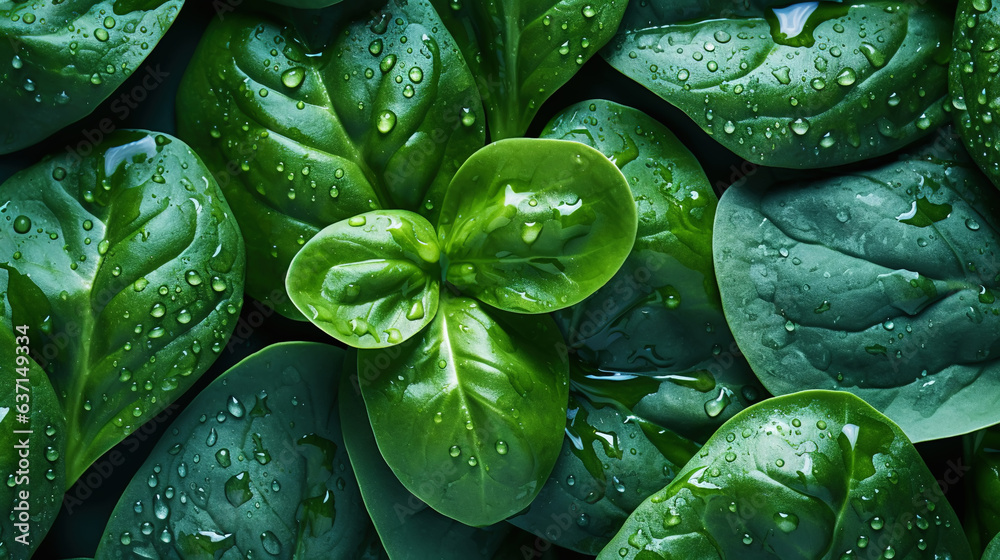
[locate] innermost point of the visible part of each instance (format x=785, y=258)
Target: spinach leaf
x=255, y=466
x=65, y=58
x=534, y=225
x=307, y=4
x=993, y=550
x=814, y=475
x=628, y=434
x=409, y=528
x=973, y=83
x=380, y=269
x=523, y=51
x=469, y=413
x=381, y=118
x=814, y=84
x=33, y=436
x=878, y=282
x=661, y=311
x=128, y=268
x=982, y=520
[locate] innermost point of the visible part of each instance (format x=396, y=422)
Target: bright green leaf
x=409, y=528
x=300, y=139
x=128, y=267
x=62, y=59
x=532, y=225
x=254, y=466
x=814, y=84
x=469, y=414
x=817, y=475
x=661, y=312
x=370, y=281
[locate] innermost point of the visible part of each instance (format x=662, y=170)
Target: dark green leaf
x=880, y=283
x=65, y=58
x=532, y=225
x=256, y=462
x=523, y=51
x=982, y=520
x=469, y=413
x=129, y=271
x=661, y=312
x=974, y=84
x=33, y=439
x=817, y=475
x=409, y=528
x=382, y=118
x=815, y=84
x=370, y=281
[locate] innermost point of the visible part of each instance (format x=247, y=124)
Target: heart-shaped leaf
x=370, y=281
x=522, y=51
x=880, y=282
x=532, y=226
x=409, y=528
x=817, y=475
x=301, y=138
x=129, y=271
x=254, y=466
x=814, y=84
x=477, y=402
x=65, y=58
x=661, y=312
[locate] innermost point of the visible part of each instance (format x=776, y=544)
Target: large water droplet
x=238, y=489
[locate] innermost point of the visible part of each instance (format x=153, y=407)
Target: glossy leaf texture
x=982, y=519
x=993, y=550
x=370, y=281
x=33, y=435
x=626, y=437
x=254, y=466
x=381, y=118
x=409, y=529
x=814, y=84
x=535, y=225
x=656, y=368
x=522, y=51
x=65, y=57
x=469, y=413
x=818, y=475
x=129, y=271
x=973, y=82
x=880, y=282
x=307, y=4
x=661, y=312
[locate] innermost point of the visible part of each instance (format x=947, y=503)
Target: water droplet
x=786, y=522
x=386, y=121
x=238, y=489
x=270, y=542
x=874, y=56
x=222, y=456
x=473, y=461
x=101, y=35
x=235, y=407
x=160, y=508
x=357, y=221
x=416, y=311
x=877, y=523
x=193, y=278
x=589, y=11
x=800, y=126
x=501, y=447
x=416, y=74
x=454, y=451
x=22, y=224
x=293, y=77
